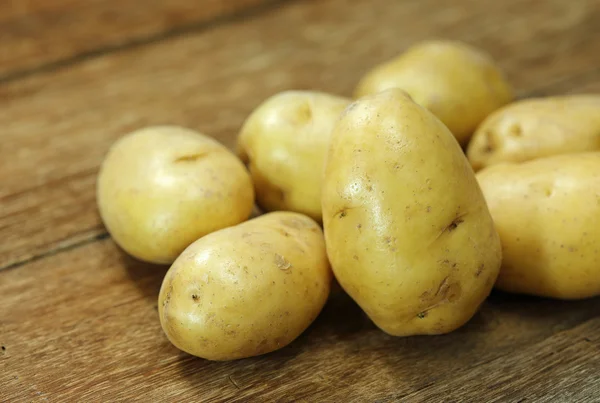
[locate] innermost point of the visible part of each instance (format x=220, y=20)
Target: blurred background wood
x=78, y=319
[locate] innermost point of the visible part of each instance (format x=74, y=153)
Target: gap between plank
x=202, y=26
x=64, y=246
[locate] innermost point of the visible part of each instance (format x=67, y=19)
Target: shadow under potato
x=147, y=277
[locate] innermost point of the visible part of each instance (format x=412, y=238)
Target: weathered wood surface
x=78, y=319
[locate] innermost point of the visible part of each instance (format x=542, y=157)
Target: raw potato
x=408, y=234
x=460, y=84
x=547, y=213
x=285, y=141
x=536, y=128
x=161, y=188
x=246, y=290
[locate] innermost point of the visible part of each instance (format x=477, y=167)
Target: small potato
x=285, y=141
x=246, y=290
x=458, y=83
x=161, y=188
x=547, y=212
x=407, y=230
x=535, y=128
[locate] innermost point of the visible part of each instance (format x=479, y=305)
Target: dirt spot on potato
x=454, y=224
x=479, y=270
x=282, y=263
x=283, y=232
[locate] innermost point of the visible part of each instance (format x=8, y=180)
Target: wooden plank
x=562, y=368
x=56, y=127
x=41, y=34
x=83, y=325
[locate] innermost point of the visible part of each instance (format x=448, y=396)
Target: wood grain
x=44, y=34
x=57, y=126
x=83, y=326
x=78, y=318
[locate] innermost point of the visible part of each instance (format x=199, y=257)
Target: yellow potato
x=246, y=290
x=547, y=213
x=161, y=188
x=285, y=141
x=535, y=128
x=460, y=84
x=408, y=234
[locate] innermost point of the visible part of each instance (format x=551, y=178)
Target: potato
x=408, y=234
x=547, y=213
x=460, y=84
x=535, y=128
x=285, y=141
x=161, y=188
x=246, y=290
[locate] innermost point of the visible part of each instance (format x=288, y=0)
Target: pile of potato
x=410, y=232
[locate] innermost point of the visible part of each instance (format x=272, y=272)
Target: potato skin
x=547, y=213
x=246, y=290
x=408, y=234
x=460, y=84
x=284, y=142
x=535, y=128
x=161, y=188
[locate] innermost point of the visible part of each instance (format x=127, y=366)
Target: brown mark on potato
x=446, y=292
x=515, y=130
x=489, y=145
x=283, y=232
x=282, y=263
x=190, y=157
x=479, y=270
x=454, y=224
x=304, y=113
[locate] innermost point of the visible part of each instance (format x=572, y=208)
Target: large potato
x=246, y=290
x=537, y=128
x=407, y=230
x=284, y=141
x=460, y=84
x=161, y=188
x=547, y=213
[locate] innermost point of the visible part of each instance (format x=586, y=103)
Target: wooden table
x=78, y=318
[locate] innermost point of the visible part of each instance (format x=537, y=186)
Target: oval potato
x=284, y=142
x=460, y=84
x=408, y=234
x=161, y=188
x=547, y=213
x=246, y=290
x=535, y=128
